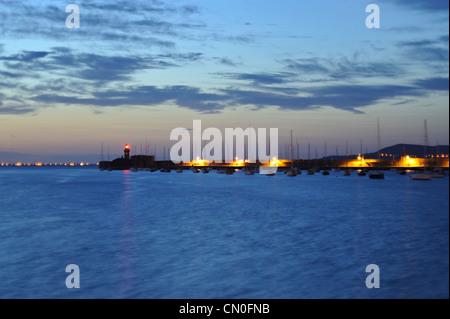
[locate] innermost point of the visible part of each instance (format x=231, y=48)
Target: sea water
x=206, y=236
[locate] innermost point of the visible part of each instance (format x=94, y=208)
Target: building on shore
x=127, y=162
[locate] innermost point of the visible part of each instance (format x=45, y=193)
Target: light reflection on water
x=159, y=235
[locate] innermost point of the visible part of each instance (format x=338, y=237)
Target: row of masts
x=147, y=150
x=152, y=150
x=289, y=149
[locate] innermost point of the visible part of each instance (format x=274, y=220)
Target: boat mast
x=426, y=145
x=361, y=148
x=292, y=153
x=379, y=142
x=346, y=154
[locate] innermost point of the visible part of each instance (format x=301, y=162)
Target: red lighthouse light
x=126, y=152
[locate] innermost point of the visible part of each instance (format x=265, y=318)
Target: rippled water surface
x=160, y=235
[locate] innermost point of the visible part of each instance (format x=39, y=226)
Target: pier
x=385, y=161
x=148, y=162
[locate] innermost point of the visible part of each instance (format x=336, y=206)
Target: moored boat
x=420, y=176
x=376, y=175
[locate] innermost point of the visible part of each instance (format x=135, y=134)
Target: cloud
x=444, y=39
x=225, y=61
x=344, y=97
x=258, y=79
x=10, y=75
x=423, y=5
x=141, y=22
x=342, y=69
x=312, y=65
x=190, y=9
x=16, y=110
x=184, y=96
x=89, y=66
x=137, y=7
x=26, y=56
x=98, y=75
x=346, y=69
x=429, y=50
x=433, y=84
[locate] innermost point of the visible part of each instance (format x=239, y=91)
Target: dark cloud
x=89, y=66
x=348, y=98
x=16, y=110
x=25, y=56
x=423, y=5
x=345, y=97
x=181, y=57
x=183, y=96
x=240, y=39
x=433, y=84
x=138, y=7
x=444, y=39
x=258, y=79
x=343, y=69
x=142, y=22
x=309, y=66
x=10, y=75
x=225, y=61
x=81, y=77
x=190, y=9
x=346, y=69
x=434, y=50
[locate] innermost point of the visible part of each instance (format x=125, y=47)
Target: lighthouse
x=126, y=152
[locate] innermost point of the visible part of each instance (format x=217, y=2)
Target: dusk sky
x=135, y=70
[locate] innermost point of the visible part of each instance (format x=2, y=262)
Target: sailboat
x=298, y=169
x=326, y=172
x=423, y=176
x=378, y=174
x=249, y=171
x=361, y=172
x=101, y=168
x=195, y=170
x=205, y=170
x=438, y=173
x=221, y=171
x=291, y=172
x=310, y=171
x=337, y=168
x=347, y=172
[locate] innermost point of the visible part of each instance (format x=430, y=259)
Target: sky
x=136, y=70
